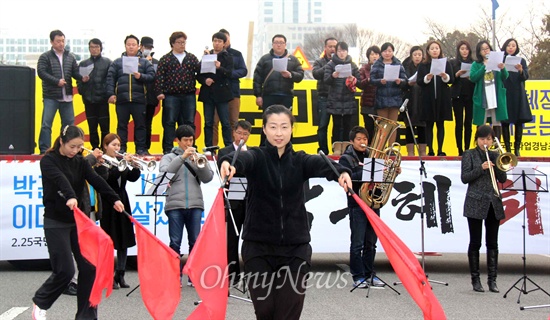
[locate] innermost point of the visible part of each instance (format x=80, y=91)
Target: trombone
x=506, y=161
x=140, y=163
x=492, y=173
x=110, y=162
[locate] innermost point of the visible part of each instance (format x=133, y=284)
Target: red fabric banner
x=207, y=265
x=405, y=265
x=158, y=272
x=97, y=248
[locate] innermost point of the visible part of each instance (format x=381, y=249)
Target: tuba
x=376, y=194
x=506, y=161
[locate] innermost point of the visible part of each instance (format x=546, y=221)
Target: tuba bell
x=376, y=194
x=506, y=161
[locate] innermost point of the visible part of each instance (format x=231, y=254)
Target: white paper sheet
x=495, y=57
x=438, y=66
x=237, y=189
x=85, y=71
x=467, y=67
x=344, y=70
x=129, y=64
x=511, y=62
x=208, y=63
x=373, y=169
x=391, y=72
x=413, y=78
x=280, y=64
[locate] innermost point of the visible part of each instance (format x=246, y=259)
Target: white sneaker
x=360, y=283
x=37, y=313
x=375, y=282
x=189, y=283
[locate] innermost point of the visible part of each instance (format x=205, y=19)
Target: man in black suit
x=241, y=131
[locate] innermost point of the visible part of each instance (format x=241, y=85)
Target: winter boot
x=473, y=260
x=119, y=279
x=492, y=267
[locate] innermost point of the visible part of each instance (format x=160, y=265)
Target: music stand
x=528, y=182
x=159, y=187
x=373, y=172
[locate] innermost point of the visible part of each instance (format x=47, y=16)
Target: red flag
x=159, y=274
x=207, y=265
x=97, y=248
x=406, y=266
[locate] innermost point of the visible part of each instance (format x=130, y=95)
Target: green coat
x=476, y=76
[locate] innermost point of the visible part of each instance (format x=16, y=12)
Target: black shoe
x=431, y=154
x=441, y=154
x=143, y=153
x=71, y=289
x=460, y=152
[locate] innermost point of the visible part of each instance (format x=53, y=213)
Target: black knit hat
x=147, y=42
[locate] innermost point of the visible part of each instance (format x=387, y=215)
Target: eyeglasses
x=180, y=42
x=242, y=133
x=279, y=42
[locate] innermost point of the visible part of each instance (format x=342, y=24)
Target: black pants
x=137, y=111
x=62, y=245
x=277, y=286
x=440, y=135
x=463, y=111
x=97, y=113
x=149, y=114
x=475, y=227
x=341, y=126
x=234, y=268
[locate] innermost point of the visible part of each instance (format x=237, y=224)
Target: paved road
x=326, y=302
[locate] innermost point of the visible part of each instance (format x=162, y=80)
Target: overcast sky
x=113, y=20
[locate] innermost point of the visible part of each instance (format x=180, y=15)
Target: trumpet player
x=482, y=203
x=184, y=204
x=117, y=225
x=363, y=238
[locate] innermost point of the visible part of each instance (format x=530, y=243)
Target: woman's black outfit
x=462, y=92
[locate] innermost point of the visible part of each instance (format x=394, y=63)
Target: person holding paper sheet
x=519, y=111
x=481, y=205
x=56, y=68
x=389, y=94
x=146, y=51
x=276, y=240
x=94, y=92
x=462, y=92
x=184, y=204
x=128, y=92
x=341, y=102
x=368, y=95
x=436, y=95
x=241, y=131
x=489, y=100
x=216, y=92
x=413, y=92
x=175, y=85
x=322, y=92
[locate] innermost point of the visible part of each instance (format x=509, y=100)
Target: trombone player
x=483, y=203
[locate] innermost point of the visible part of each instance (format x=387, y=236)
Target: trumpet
x=199, y=160
x=140, y=163
x=110, y=162
x=506, y=161
x=492, y=172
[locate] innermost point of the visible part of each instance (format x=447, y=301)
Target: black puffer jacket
x=341, y=100
x=49, y=70
x=319, y=75
x=267, y=82
x=220, y=90
x=95, y=89
x=125, y=86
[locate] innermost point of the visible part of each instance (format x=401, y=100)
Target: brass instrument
x=200, y=160
x=140, y=163
x=110, y=162
x=376, y=194
x=492, y=173
x=506, y=161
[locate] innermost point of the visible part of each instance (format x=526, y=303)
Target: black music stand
x=373, y=172
x=159, y=187
x=528, y=182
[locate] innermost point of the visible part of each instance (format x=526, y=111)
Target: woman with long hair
x=368, y=95
x=413, y=92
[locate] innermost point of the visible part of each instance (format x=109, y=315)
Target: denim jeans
x=180, y=109
x=177, y=220
x=322, y=128
x=137, y=111
x=222, y=108
x=66, y=112
x=363, y=244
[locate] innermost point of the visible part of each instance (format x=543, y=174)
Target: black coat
x=462, y=88
x=95, y=89
x=436, y=95
x=49, y=71
x=268, y=82
x=220, y=90
x=116, y=224
x=341, y=100
x=414, y=94
x=519, y=110
x=125, y=86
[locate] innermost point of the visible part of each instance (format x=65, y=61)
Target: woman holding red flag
x=64, y=173
x=276, y=249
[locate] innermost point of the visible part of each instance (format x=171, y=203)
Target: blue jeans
x=222, y=108
x=180, y=109
x=66, y=112
x=322, y=128
x=363, y=244
x=177, y=219
x=137, y=111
